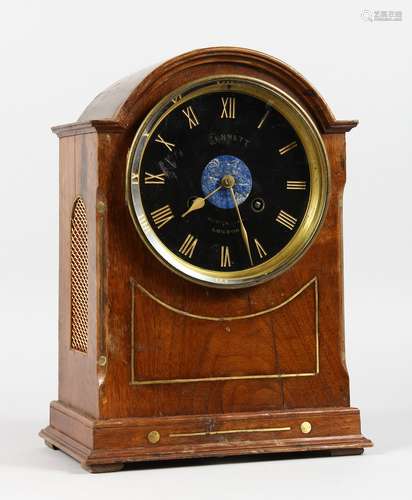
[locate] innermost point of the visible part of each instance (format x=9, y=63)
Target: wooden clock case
x=154, y=367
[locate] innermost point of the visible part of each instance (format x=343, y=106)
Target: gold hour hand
x=242, y=227
x=199, y=202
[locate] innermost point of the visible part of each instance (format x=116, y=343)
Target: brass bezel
x=318, y=167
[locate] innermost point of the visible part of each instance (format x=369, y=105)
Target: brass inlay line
x=132, y=321
x=224, y=318
x=231, y=431
x=317, y=325
x=217, y=379
x=227, y=318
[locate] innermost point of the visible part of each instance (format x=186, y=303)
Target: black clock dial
x=222, y=180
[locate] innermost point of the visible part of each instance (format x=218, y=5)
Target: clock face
x=227, y=181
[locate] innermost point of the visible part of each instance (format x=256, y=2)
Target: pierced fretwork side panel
x=79, y=277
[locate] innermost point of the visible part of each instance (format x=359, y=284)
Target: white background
x=55, y=57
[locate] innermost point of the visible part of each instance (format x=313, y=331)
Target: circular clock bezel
x=318, y=168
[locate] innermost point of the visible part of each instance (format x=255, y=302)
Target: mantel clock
x=201, y=285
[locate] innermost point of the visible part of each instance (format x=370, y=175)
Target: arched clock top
x=122, y=105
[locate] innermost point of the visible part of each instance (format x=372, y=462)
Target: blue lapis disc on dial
x=213, y=173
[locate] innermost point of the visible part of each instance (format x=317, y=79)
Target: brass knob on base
x=305, y=427
x=153, y=437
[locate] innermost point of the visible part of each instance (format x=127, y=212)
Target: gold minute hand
x=242, y=227
x=200, y=202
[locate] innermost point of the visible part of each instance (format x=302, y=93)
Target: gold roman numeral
x=286, y=219
x=262, y=121
x=296, y=185
x=288, y=148
x=261, y=251
x=225, y=257
x=169, y=145
x=154, y=178
x=191, y=116
x=188, y=246
x=162, y=216
x=229, y=107
x=135, y=178
x=177, y=98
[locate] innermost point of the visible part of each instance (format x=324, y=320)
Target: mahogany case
x=152, y=366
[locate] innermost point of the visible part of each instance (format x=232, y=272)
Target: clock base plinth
x=106, y=445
